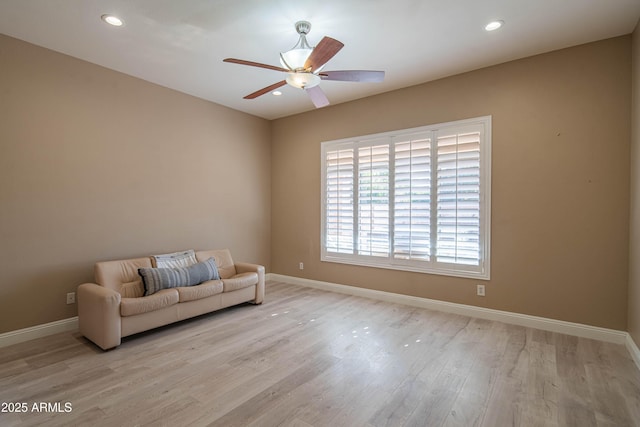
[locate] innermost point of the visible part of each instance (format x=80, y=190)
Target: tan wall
x=97, y=165
x=634, y=247
x=561, y=131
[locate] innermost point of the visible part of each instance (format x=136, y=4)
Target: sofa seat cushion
x=203, y=290
x=239, y=281
x=161, y=299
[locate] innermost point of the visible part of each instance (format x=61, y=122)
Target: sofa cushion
x=225, y=264
x=239, y=281
x=203, y=290
x=114, y=274
x=133, y=289
x=161, y=299
x=155, y=279
x=175, y=259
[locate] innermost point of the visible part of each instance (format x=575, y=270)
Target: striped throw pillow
x=155, y=279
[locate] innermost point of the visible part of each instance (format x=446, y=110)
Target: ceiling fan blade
x=317, y=96
x=255, y=64
x=323, y=52
x=265, y=90
x=363, y=76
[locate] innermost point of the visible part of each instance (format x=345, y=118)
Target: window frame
x=481, y=271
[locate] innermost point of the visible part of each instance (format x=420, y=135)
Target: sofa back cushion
x=225, y=264
x=122, y=276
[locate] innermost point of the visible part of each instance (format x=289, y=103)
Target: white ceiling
x=180, y=44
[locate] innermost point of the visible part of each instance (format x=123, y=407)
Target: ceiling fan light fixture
x=295, y=57
x=303, y=80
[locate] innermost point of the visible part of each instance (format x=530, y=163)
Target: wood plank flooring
x=312, y=358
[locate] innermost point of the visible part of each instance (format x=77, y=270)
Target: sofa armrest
x=99, y=315
x=245, y=267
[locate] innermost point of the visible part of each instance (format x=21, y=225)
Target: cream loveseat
x=116, y=305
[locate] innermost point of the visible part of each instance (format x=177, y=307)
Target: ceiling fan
x=303, y=64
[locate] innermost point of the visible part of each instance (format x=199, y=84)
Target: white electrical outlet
x=301, y=266
x=71, y=298
x=480, y=290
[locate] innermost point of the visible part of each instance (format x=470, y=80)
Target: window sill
x=451, y=272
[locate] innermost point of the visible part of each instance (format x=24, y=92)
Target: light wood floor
x=312, y=358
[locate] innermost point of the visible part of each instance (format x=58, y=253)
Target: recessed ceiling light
x=112, y=20
x=494, y=25
x=276, y=93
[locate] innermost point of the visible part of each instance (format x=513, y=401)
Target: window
x=415, y=200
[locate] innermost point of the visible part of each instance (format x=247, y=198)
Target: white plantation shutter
x=458, y=198
x=373, y=200
x=412, y=201
x=339, y=195
x=416, y=200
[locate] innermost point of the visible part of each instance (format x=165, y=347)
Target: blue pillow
x=155, y=279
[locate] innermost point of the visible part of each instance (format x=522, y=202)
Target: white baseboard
x=633, y=350
x=38, y=331
x=569, y=328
